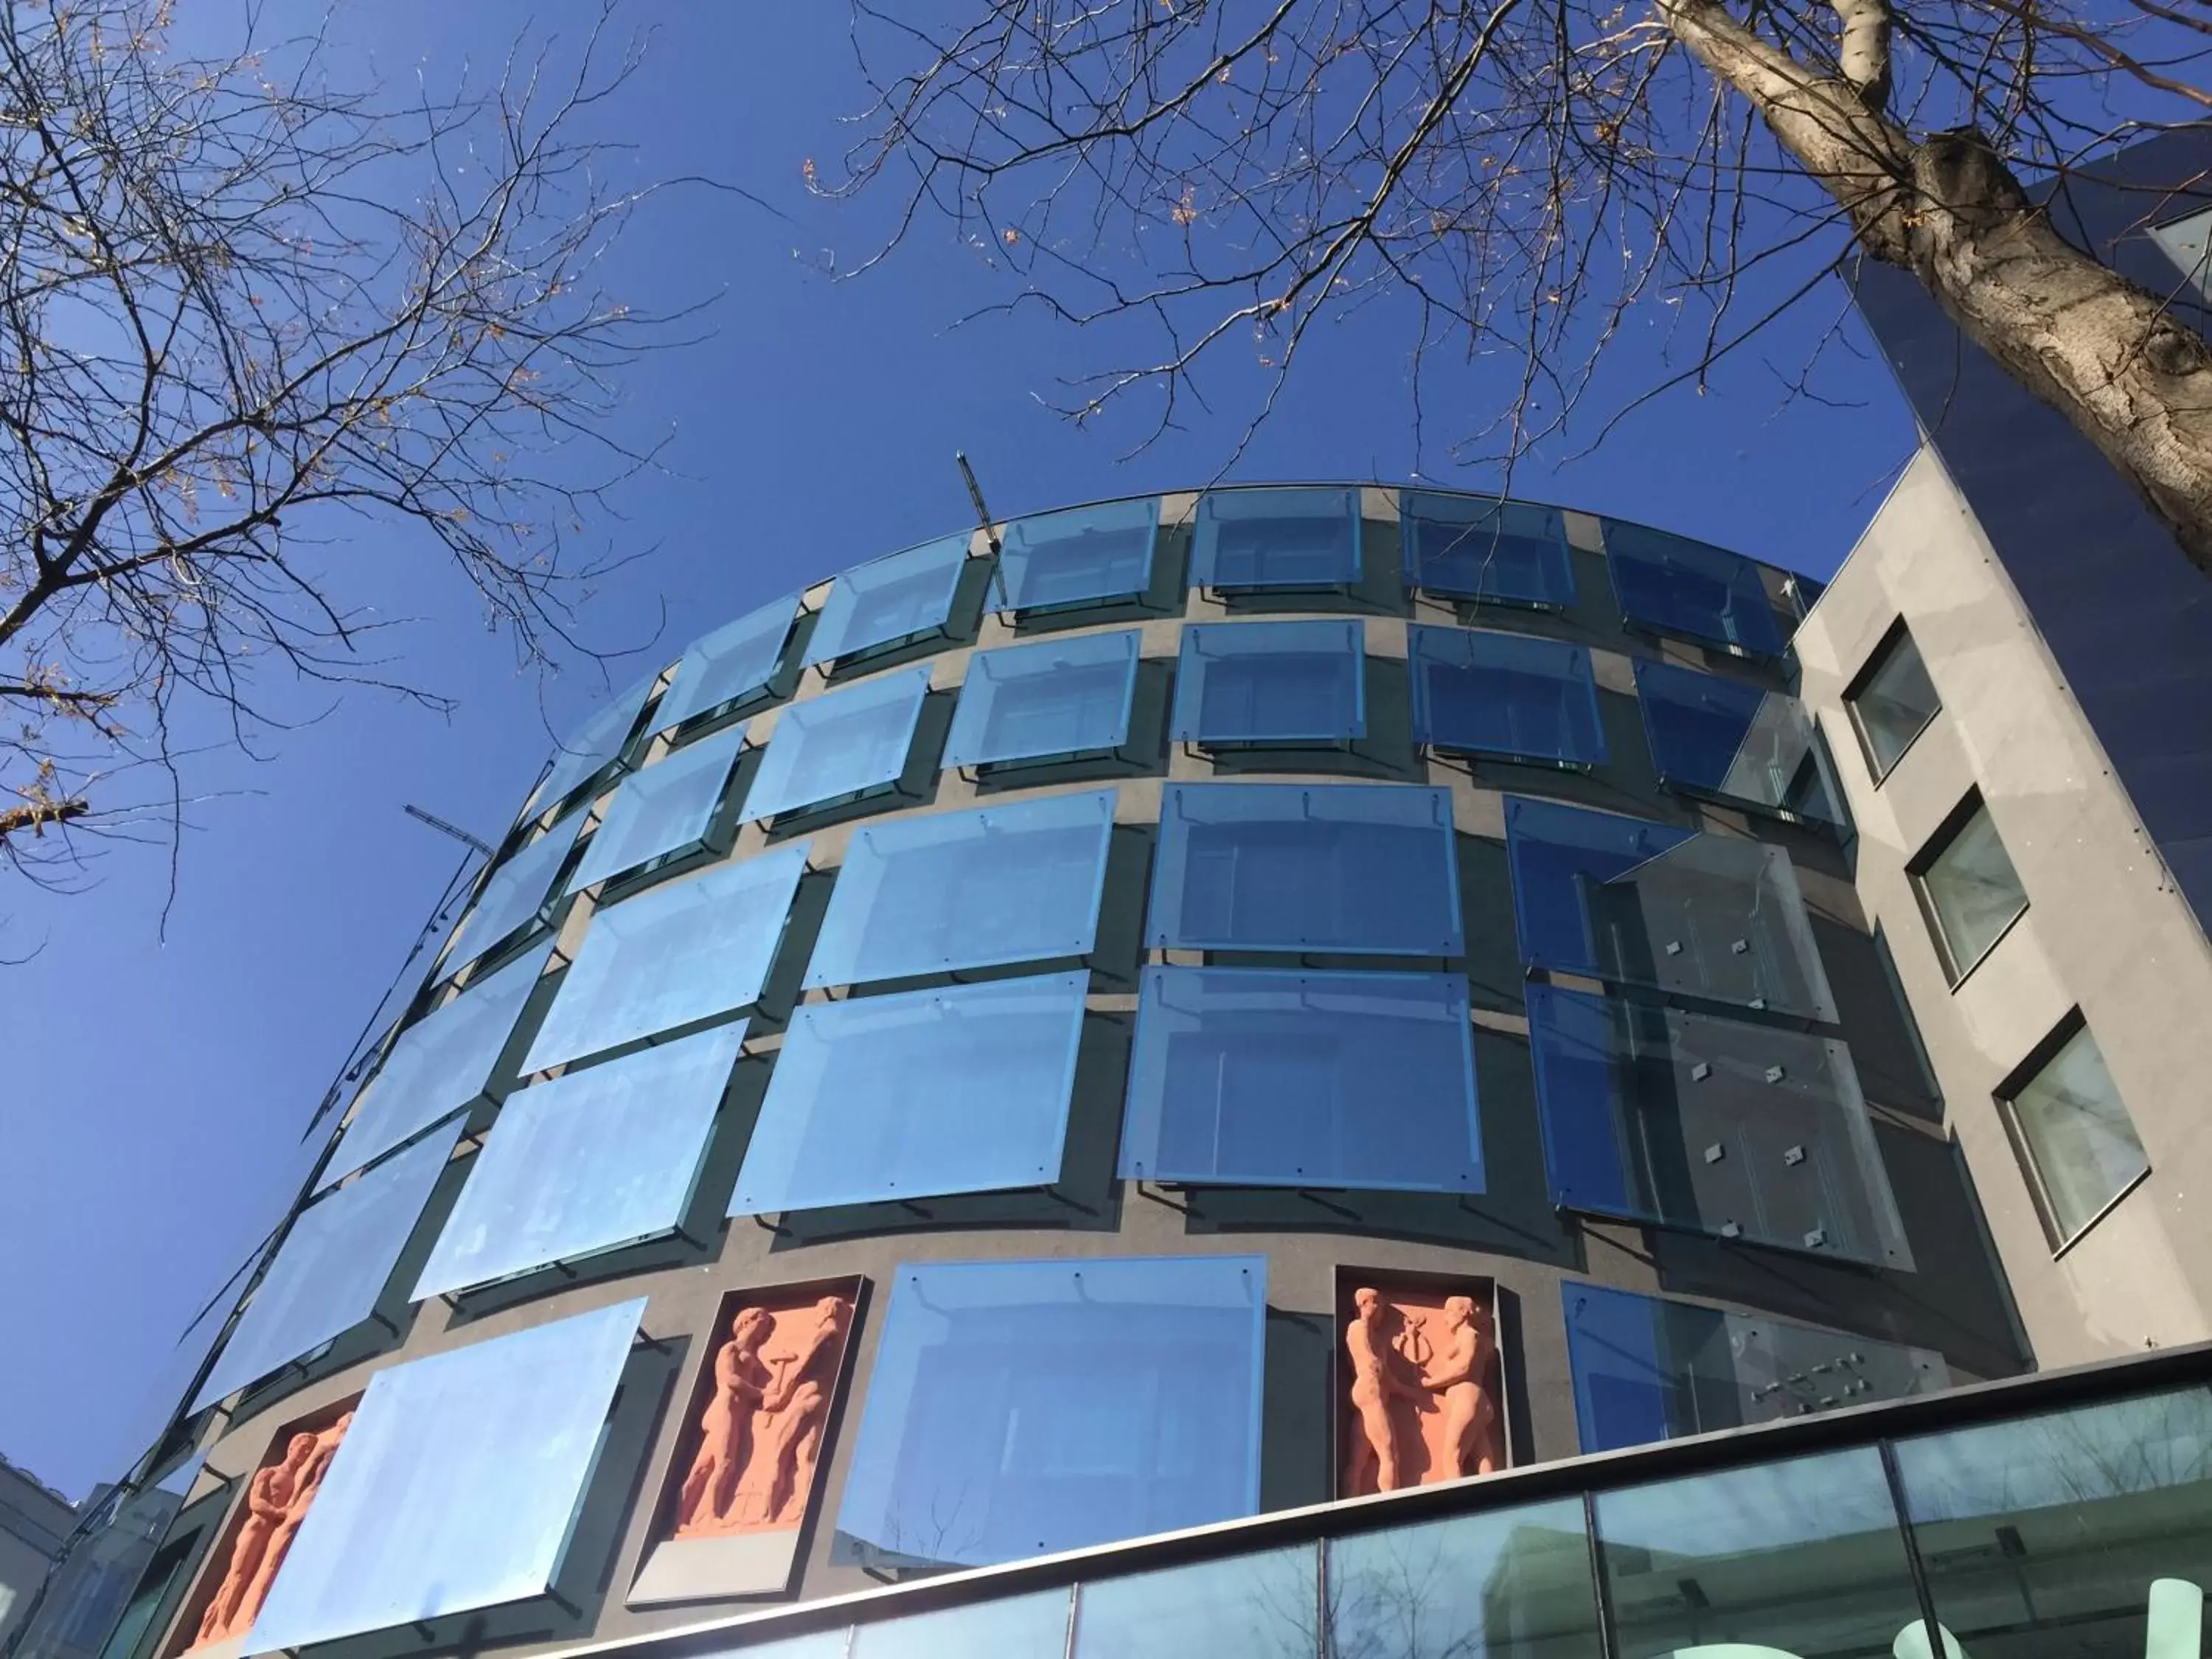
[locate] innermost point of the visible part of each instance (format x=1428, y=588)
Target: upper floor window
x=733, y=663
x=2188, y=242
x=1967, y=888
x=2073, y=1132
x=1055, y=699
x=1711, y=736
x=1476, y=547
x=1248, y=538
x=1505, y=695
x=1891, y=701
x=890, y=600
x=1081, y=556
x=1673, y=585
x=1271, y=682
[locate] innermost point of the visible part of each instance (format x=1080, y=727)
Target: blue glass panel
x=1740, y=1131
x=1477, y=547
x=598, y=1158
x=1058, y=697
x=1077, y=557
x=1676, y=586
x=457, y=1484
x=1505, y=1583
x=331, y=1267
x=1250, y=538
x=1647, y=1369
x=964, y=1089
x=889, y=600
x=1243, y=1607
x=1253, y=1077
x=1353, y=868
x=1016, y=883
x=666, y=807
x=737, y=659
x=1508, y=695
x=597, y=742
x=514, y=898
x=1639, y=904
x=438, y=1065
x=672, y=955
x=1724, y=737
x=1277, y=681
x=841, y=744
x=1021, y=1407
x=1017, y=1628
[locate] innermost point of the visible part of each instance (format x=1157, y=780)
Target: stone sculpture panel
x=277, y=1497
x=1419, y=1383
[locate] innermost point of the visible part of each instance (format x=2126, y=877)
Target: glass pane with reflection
x=1018, y=1627
x=1512, y=1585
x=667, y=807
x=737, y=661
x=1265, y=1606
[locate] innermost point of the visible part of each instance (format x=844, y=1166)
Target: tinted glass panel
x=1806, y=1557
x=1510, y=1584
x=964, y=1089
x=1018, y=1408
x=1355, y=868
x=672, y=955
x=1639, y=903
x=2188, y=242
x=1474, y=547
x=668, y=807
x=1647, y=1369
x=737, y=659
x=1288, y=682
x=2081, y=1532
x=1246, y=1607
x=1970, y=892
x=2076, y=1133
x=1248, y=538
x=455, y=1486
x=514, y=898
x=1893, y=703
x=598, y=1158
x=1723, y=737
x=1058, y=697
x=438, y=1065
x=1740, y=1131
x=1077, y=557
x=1676, y=586
x=841, y=744
x=1506, y=695
x=889, y=600
x=1019, y=1627
x=332, y=1266
x=1253, y=1077
x=600, y=738
x=1018, y=882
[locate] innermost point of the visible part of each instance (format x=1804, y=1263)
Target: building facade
x=34, y=1519
x=1289, y=1018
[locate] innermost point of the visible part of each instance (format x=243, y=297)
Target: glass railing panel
x=1480, y=548
x=1261, y=538
x=1081, y=556
x=1271, y=682
x=1510, y=695
x=1054, y=700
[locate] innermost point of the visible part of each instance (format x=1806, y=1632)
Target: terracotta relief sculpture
x=1423, y=1390
x=276, y=1501
x=760, y=1434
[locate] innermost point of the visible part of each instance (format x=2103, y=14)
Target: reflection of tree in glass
x=1456, y=1590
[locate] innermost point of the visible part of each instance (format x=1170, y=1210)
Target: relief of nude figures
x=276, y=1501
x=759, y=1436
x=1423, y=1405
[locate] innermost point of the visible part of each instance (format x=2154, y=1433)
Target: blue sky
x=156, y=1089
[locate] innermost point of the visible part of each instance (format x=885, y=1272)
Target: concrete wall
x=2107, y=928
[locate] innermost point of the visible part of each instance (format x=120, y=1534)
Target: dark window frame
x=1938, y=842
x=2070, y=1025
x=1876, y=660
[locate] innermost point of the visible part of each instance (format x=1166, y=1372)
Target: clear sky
x=155, y=1091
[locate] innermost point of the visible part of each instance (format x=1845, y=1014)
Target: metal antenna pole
x=975, y=495
x=455, y=830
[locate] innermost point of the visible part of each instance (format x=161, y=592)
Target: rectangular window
x=1081, y=556
x=1737, y=1131
x=1734, y=741
x=1891, y=701
x=2188, y=242
x=458, y=1483
x=590, y=1162
x=1258, y=1078
x=1480, y=548
x=672, y=955
x=332, y=1266
x=1046, y=1406
x=1672, y=585
x=839, y=746
x=1015, y=1627
x=1272, y=683
x=2073, y=1132
x=1503, y=1583
x=983, y=1077
x=1051, y=701
x=1968, y=889
x=660, y=811
x=1507, y=695
x=1239, y=1606
x=1647, y=1368
x=957, y=890
x=1634, y=902
x=888, y=601
x=1357, y=869
x=1260, y=539
x=597, y=745
x=513, y=900
x=733, y=664
x=436, y=1066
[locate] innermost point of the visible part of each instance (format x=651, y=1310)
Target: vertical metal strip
x=1074, y=1606
x=1608, y=1639
x=1920, y=1593
x=1324, y=1637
